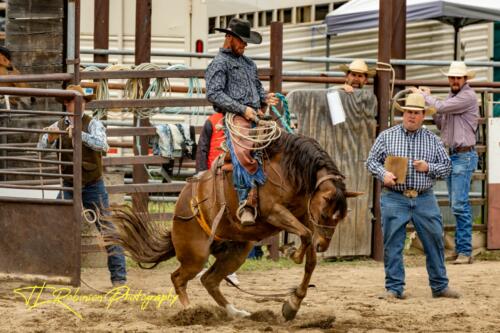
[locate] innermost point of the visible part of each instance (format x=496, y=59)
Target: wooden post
x=276, y=61
x=382, y=91
x=275, y=85
x=398, y=44
x=101, y=29
x=142, y=55
x=76, y=64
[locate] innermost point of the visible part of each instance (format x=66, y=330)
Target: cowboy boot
x=249, y=210
x=247, y=216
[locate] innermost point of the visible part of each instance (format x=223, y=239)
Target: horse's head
x=327, y=207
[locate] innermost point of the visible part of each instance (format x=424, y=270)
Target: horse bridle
x=325, y=231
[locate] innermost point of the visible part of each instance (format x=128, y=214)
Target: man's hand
x=347, y=88
x=389, y=179
x=421, y=166
x=425, y=90
x=414, y=90
x=70, y=131
x=271, y=99
x=250, y=114
x=51, y=137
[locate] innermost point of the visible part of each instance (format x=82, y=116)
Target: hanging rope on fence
x=102, y=91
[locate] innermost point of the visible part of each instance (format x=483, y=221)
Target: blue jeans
x=459, y=181
x=95, y=195
x=423, y=211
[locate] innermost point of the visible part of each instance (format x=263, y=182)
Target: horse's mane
x=302, y=158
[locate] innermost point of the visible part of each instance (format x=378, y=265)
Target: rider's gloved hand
x=250, y=114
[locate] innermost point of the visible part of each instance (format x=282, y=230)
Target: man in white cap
x=411, y=198
x=457, y=118
x=356, y=75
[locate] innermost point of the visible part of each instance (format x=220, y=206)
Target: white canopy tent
x=363, y=14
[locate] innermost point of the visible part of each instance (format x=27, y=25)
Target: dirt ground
x=343, y=300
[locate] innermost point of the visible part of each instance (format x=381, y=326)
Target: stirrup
x=239, y=211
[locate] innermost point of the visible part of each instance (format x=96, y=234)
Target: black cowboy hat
x=6, y=52
x=241, y=29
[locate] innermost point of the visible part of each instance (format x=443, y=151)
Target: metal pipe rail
x=32, y=160
x=36, y=78
x=151, y=74
x=42, y=150
x=323, y=60
x=36, y=112
x=14, y=130
x=36, y=174
x=34, y=187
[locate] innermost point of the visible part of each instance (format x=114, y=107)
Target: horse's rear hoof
x=288, y=312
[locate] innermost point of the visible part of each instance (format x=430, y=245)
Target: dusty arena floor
x=344, y=300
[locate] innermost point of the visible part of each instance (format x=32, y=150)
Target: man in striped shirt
x=411, y=198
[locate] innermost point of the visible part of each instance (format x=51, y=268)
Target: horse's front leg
x=298, y=255
x=292, y=305
x=282, y=218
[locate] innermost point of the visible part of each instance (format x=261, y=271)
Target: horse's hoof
x=288, y=312
x=296, y=258
x=234, y=312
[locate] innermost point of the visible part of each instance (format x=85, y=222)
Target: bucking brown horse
x=304, y=194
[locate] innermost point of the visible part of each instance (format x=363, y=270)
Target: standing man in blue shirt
x=233, y=86
x=411, y=198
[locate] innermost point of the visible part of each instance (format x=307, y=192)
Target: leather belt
x=461, y=149
x=409, y=193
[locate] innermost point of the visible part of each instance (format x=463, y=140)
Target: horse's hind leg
x=228, y=261
x=192, y=251
x=181, y=276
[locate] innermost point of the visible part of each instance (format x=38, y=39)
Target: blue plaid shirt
x=233, y=84
x=419, y=145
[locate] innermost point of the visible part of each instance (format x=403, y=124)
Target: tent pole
x=327, y=64
x=456, y=44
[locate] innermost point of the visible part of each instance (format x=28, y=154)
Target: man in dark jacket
x=233, y=86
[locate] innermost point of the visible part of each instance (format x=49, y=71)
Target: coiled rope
x=268, y=132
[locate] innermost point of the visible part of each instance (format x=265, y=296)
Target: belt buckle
x=410, y=193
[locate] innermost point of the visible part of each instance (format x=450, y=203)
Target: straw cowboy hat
x=459, y=69
x=241, y=29
x=415, y=102
x=86, y=97
x=358, y=66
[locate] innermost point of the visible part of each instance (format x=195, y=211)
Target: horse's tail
x=145, y=241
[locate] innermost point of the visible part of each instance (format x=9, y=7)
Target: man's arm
x=96, y=138
x=454, y=105
x=47, y=140
x=440, y=168
x=203, y=147
x=376, y=158
x=216, y=80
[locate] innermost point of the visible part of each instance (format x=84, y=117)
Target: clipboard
x=398, y=166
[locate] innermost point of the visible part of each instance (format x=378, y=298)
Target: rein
x=324, y=230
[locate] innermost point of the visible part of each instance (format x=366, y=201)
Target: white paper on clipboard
x=337, y=113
